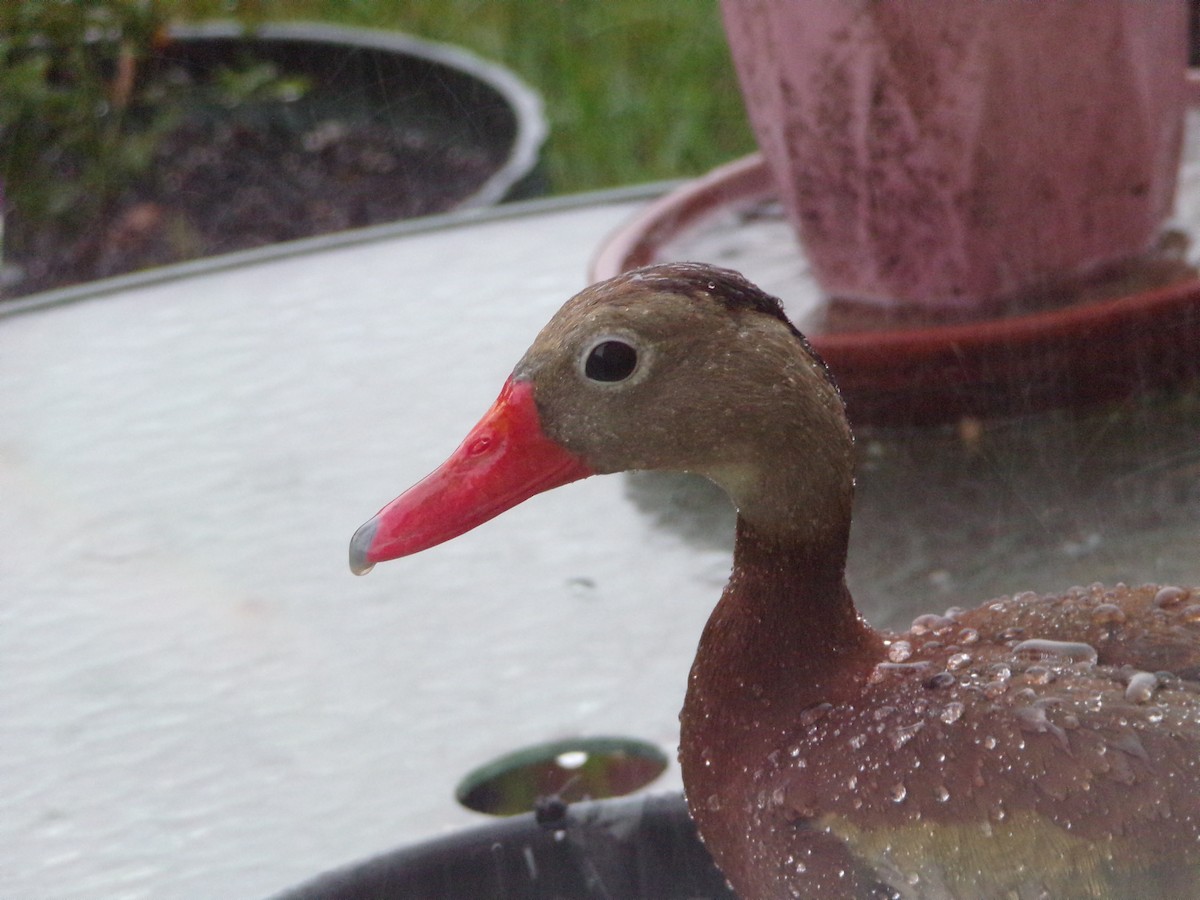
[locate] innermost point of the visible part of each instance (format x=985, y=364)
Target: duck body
x=1038, y=746
x=972, y=759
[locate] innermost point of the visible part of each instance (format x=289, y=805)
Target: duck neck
x=785, y=633
x=784, y=637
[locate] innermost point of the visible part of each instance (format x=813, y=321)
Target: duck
x=1040, y=745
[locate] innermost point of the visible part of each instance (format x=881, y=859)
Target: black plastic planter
x=640, y=848
x=464, y=101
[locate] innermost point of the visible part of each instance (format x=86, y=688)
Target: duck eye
x=610, y=360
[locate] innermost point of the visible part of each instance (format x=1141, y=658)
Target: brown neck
x=785, y=634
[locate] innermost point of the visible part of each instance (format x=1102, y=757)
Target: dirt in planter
x=220, y=185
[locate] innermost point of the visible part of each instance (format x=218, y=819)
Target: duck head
x=682, y=367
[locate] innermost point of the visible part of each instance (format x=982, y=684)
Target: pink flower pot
x=948, y=155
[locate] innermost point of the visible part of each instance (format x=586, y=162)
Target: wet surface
x=202, y=700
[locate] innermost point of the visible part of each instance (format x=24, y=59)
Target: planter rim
x=528, y=108
x=648, y=836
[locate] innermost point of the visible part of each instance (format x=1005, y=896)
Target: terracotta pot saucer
x=1129, y=331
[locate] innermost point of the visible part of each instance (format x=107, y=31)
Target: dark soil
x=222, y=185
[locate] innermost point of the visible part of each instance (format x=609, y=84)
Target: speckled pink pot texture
x=950, y=154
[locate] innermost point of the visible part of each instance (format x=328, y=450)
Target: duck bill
x=505, y=459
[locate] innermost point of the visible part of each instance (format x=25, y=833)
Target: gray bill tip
x=360, y=545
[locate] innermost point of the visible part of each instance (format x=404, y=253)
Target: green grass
x=635, y=90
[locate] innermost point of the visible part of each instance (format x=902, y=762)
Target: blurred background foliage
x=68, y=107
